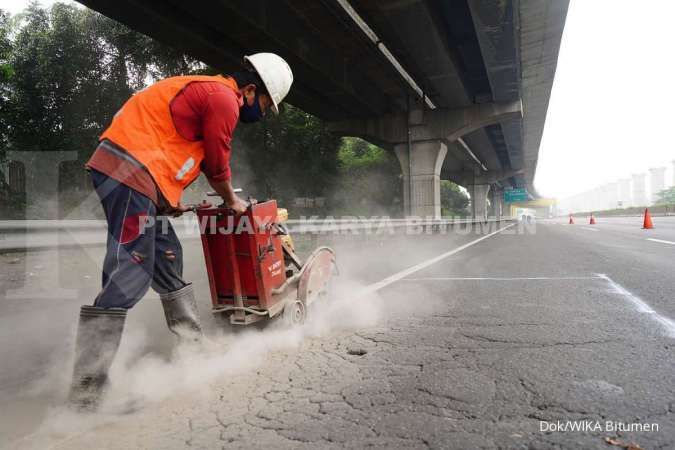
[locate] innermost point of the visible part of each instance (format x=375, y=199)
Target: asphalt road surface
x=460, y=340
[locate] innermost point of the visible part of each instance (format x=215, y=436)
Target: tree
x=454, y=201
x=286, y=156
x=666, y=196
x=65, y=71
x=6, y=73
x=73, y=70
x=370, y=180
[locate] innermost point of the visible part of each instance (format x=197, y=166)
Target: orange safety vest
x=145, y=129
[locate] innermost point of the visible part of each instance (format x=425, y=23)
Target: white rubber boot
x=98, y=337
x=182, y=316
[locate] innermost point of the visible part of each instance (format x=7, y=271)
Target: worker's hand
x=181, y=209
x=226, y=192
x=237, y=205
x=178, y=210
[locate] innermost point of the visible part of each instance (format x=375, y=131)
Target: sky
x=611, y=108
x=16, y=6
x=612, y=105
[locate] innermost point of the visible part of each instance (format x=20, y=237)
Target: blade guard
x=315, y=274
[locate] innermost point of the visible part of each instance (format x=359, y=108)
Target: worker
x=157, y=144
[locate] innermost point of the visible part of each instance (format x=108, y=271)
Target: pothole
x=356, y=351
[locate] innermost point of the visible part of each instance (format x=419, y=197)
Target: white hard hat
x=275, y=73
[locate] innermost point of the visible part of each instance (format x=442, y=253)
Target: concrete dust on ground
x=143, y=382
x=42, y=292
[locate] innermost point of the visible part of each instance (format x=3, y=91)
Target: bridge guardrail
x=26, y=235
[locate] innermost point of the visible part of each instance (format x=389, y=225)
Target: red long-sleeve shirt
x=203, y=110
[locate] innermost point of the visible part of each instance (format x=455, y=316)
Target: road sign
x=515, y=195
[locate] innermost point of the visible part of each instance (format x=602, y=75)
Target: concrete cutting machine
x=254, y=272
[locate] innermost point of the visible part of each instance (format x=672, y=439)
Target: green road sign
x=516, y=195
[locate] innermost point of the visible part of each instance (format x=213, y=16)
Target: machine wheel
x=295, y=313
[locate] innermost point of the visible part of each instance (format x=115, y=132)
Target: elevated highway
x=459, y=90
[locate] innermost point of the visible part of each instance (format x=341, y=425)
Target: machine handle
x=215, y=194
x=204, y=204
x=195, y=206
x=249, y=203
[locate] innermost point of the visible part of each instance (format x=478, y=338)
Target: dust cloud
x=140, y=379
x=149, y=367
x=150, y=379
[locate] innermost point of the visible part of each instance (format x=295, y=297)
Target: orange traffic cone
x=571, y=220
x=648, y=225
x=592, y=221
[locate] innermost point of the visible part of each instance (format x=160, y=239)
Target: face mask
x=251, y=114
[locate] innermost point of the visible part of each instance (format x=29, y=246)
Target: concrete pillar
x=624, y=192
x=496, y=200
x=657, y=182
x=479, y=200
x=639, y=191
x=427, y=159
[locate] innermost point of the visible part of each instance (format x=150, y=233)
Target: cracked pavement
x=449, y=363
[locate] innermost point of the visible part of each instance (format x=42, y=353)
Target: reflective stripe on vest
x=145, y=129
x=189, y=164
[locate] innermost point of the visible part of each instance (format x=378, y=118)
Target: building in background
x=639, y=190
x=657, y=182
x=624, y=200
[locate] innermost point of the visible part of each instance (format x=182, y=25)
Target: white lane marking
x=667, y=323
x=589, y=229
x=416, y=268
x=499, y=278
x=661, y=241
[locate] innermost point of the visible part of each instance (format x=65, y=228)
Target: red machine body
x=244, y=256
x=246, y=264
